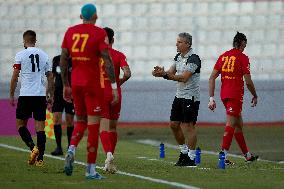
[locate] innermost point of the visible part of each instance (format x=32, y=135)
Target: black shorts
x=31, y=106
x=60, y=104
x=184, y=110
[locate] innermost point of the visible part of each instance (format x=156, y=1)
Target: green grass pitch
x=140, y=166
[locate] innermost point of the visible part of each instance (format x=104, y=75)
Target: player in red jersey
x=111, y=112
x=86, y=43
x=233, y=65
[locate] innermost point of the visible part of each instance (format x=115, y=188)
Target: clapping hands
x=158, y=71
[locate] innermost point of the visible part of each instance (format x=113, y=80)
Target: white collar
x=189, y=53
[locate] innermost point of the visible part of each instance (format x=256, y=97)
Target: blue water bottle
x=197, y=156
x=221, y=164
x=162, y=150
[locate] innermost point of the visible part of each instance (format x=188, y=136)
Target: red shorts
x=111, y=112
x=87, y=100
x=233, y=106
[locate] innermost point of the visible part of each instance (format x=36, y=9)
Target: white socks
x=110, y=156
x=248, y=155
x=91, y=169
x=72, y=149
x=191, y=154
x=183, y=148
x=225, y=152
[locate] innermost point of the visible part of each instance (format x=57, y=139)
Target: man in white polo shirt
x=186, y=71
x=32, y=64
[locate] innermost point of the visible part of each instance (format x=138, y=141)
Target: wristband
x=211, y=99
x=114, y=85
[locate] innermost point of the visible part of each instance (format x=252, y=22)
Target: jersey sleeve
x=174, y=62
x=245, y=65
x=18, y=61
x=194, y=64
x=18, y=58
x=174, y=65
x=191, y=67
x=17, y=66
x=123, y=60
x=103, y=42
x=218, y=64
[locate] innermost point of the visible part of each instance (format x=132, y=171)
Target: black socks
x=69, y=134
x=41, y=140
x=58, y=134
x=26, y=137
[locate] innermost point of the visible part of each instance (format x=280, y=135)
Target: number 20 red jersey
x=232, y=65
x=85, y=43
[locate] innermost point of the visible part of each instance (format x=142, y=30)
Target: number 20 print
x=229, y=63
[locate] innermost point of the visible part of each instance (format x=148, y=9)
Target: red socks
x=93, y=140
x=108, y=140
x=239, y=136
x=241, y=142
x=227, y=138
x=78, y=133
x=113, y=140
x=105, y=140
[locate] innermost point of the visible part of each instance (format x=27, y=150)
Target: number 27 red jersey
x=85, y=43
x=232, y=65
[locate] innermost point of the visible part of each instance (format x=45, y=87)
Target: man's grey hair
x=186, y=36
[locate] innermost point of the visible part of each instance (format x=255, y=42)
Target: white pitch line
x=170, y=162
x=157, y=143
x=160, y=181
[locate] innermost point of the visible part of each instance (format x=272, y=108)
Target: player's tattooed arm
x=109, y=68
x=64, y=66
x=126, y=74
